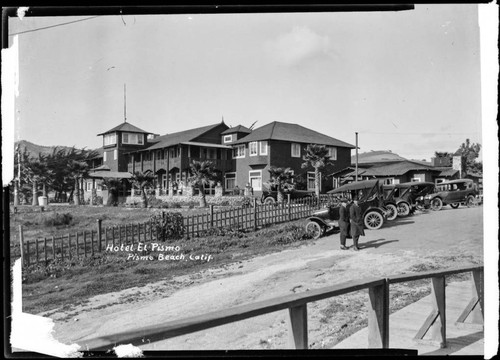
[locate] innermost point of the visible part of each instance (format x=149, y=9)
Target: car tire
x=314, y=229
x=455, y=206
x=373, y=220
x=393, y=212
x=269, y=200
x=403, y=209
x=470, y=201
x=436, y=204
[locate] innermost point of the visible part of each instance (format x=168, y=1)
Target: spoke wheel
x=455, y=206
x=374, y=220
x=403, y=209
x=314, y=229
x=470, y=201
x=269, y=200
x=392, y=211
x=436, y=204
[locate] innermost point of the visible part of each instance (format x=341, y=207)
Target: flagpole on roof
x=125, y=102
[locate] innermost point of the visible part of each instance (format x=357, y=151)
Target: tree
x=317, y=157
x=469, y=152
x=37, y=172
x=281, y=179
x=202, y=173
x=142, y=180
x=113, y=186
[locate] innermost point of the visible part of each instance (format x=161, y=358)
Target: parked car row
x=380, y=203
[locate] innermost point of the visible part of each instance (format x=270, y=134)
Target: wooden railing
x=378, y=312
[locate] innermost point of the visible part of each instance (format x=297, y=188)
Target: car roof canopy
x=366, y=184
x=418, y=183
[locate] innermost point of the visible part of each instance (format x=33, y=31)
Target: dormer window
x=228, y=138
x=109, y=139
x=132, y=139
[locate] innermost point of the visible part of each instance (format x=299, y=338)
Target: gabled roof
x=291, y=132
x=125, y=126
x=180, y=137
x=239, y=128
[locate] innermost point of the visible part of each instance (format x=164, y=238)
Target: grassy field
x=59, y=220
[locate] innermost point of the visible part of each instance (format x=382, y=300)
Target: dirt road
x=422, y=241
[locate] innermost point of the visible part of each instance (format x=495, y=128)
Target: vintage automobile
x=405, y=195
x=452, y=193
x=270, y=196
x=389, y=192
x=370, y=199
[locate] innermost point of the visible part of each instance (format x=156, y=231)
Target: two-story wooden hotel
x=240, y=155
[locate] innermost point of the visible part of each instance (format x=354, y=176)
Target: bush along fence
x=163, y=227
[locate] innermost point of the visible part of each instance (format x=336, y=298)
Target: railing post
x=21, y=243
x=438, y=312
x=475, y=308
x=378, y=316
x=99, y=234
x=211, y=215
x=289, y=207
x=298, y=327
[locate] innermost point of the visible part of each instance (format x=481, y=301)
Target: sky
x=406, y=81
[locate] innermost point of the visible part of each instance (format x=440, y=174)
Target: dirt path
x=434, y=239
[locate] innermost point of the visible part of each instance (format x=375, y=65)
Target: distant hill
x=35, y=149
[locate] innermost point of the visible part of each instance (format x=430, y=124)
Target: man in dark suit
x=357, y=226
x=343, y=223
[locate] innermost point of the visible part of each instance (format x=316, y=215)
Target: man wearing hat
x=357, y=226
x=343, y=223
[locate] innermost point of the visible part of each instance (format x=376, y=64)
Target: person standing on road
x=343, y=223
x=357, y=227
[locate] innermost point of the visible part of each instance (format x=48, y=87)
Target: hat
x=343, y=199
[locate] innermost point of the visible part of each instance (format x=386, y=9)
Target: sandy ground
x=453, y=235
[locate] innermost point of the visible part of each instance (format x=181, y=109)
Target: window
x=175, y=152
x=416, y=180
x=439, y=181
x=311, y=181
x=115, y=154
x=239, y=152
x=230, y=180
x=104, y=156
x=88, y=186
x=263, y=147
x=134, y=139
x=255, y=179
x=332, y=152
x=159, y=155
x=228, y=138
x=295, y=150
x=252, y=148
x=109, y=139
x=391, y=181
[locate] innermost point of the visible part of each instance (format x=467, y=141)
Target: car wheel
x=392, y=211
x=269, y=200
x=455, y=206
x=374, y=220
x=470, y=201
x=403, y=209
x=436, y=204
x=314, y=229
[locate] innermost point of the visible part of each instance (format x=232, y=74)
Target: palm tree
x=113, y=185
x=202, y=173
x=281, y=179
x=142, y=180
x=317, y=157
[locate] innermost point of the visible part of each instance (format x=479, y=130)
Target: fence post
x=21, y=243
x=211, y=215
x=254, y=214
x=298, y=327
x=99, y=234
x=378, y=316
x=289, y=207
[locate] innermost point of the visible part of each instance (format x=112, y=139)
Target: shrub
x=56, y=219
x=168, y=225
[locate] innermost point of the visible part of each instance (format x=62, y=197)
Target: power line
x=52, y=26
